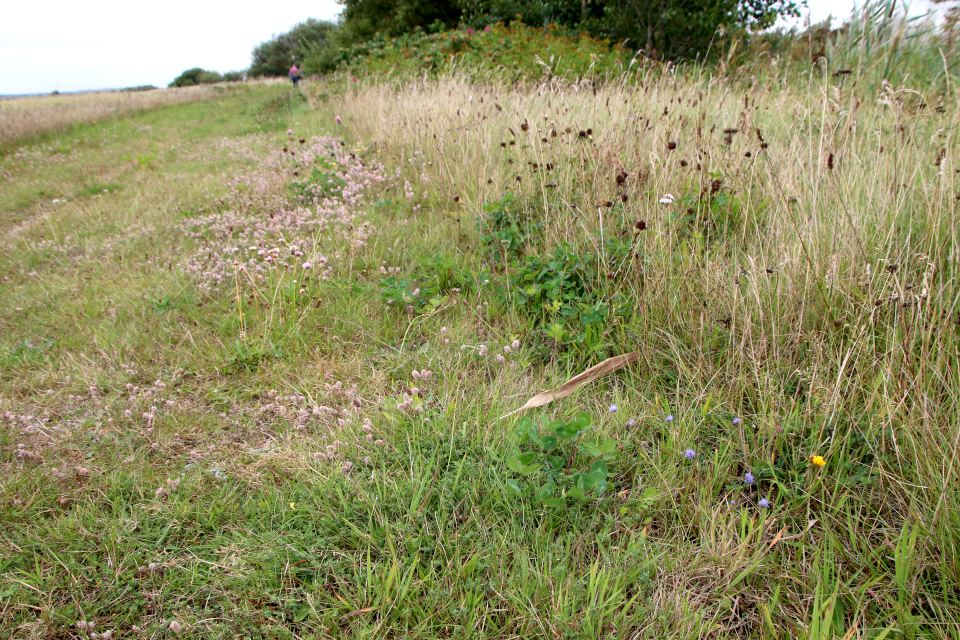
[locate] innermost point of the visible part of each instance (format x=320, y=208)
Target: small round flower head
x=631, y=422
x=346, y=467
x=748, y=478
x=613, y=408
x=736, y=420
x=515, y=344
x=289, y=131
x=690, y=454
x=818, y=461
x=764, y=503
x=175, y=626
x=307, y=265
x=670, y=418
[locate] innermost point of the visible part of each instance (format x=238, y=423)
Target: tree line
x=661, y=29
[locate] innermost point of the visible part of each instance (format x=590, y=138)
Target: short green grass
x=168, y=412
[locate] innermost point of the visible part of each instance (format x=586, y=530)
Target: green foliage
x=142, y=87
x=564, y=295
x=363, y=19
x=515, y=48
x=507, y=228
x=195, y=76
x=323, y=182
x=553, y=463
x=275, y=56
x=673, y=29
x=406, y=295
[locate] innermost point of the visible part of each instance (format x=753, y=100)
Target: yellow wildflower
x=818, y=461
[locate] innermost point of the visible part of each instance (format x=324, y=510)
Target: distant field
x=251, y=381
x=30, y=116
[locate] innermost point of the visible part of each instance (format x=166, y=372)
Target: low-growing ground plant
x=557, y=463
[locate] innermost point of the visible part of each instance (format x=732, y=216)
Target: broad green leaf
x=528, y=457
x=591, y=450
x=514, y=465
x=584, y=481
x=601, y=486
x=513, y=486
x=577, y=493
x=554, y=503
x=557, y=462
x=548, y=442
x=548, y=490
x=531, y=469
x=599, y=470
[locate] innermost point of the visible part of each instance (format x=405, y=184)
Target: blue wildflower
x=613, y=408
x=736, y=421
x=690, y=453
x=764, y=503
x=670, y=418
x=748, y=478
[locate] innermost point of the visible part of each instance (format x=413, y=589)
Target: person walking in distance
x=294, y=74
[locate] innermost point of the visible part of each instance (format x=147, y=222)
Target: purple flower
x=670, y=418
x=631, y=422
x=748, y=478
x=289, y=131
x=764, y=503
x=486, y=28
x=736, y=421
x=690, y=454
x=613, y=408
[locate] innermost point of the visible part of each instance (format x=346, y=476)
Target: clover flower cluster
x=256, y=229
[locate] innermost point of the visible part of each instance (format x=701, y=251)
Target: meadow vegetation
x=256, y=349
x=32, y=117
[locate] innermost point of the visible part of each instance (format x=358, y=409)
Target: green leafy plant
x=553, y=462
x=404, y=294
x=507, y=228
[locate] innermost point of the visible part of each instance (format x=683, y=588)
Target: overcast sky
x=71, y=45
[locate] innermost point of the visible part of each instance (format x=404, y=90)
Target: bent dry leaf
x=595, y=372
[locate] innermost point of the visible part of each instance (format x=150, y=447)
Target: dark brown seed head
x=623, y=197
x=582, y=133
x=518, y=178
x=892, y=268
x=525, y=127
x=489, y=180
x=671, y=145
x=640, y=225
x=456, y=198
x=684, y=163
x=589, y=132
x=607, y=204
